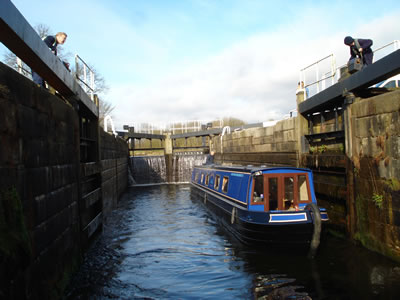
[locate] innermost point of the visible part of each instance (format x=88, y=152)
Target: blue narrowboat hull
x=250, y=227
x=264, y=228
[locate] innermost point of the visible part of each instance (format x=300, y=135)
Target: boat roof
x=248, y=168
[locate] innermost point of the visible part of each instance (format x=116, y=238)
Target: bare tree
x=230, y=121
x=105, y=109
x=100, y=86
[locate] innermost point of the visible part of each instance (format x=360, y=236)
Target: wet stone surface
x=160, y=244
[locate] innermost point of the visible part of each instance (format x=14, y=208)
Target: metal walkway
x=384, y=68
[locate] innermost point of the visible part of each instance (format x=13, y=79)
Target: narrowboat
x=271, y=206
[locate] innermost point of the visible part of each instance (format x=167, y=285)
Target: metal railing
x=88, y=78
x=22, y=69
x=330, y=77
x=108, y=120
x=176, y=127
x=320, y=81
x=87, y=75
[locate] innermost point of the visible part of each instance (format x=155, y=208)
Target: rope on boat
x=317, y=229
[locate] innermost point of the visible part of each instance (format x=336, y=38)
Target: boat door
x=281, y=191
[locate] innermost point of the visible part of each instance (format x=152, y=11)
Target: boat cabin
x=259, y=189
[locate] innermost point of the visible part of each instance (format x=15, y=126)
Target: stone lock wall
x=41, y=236
x=273, y=145
x=375, y=132
x=114, y=169
x=39, y=169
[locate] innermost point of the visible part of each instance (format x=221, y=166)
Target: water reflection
x=159, y=244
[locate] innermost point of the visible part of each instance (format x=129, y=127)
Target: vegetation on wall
x=378, y=200
x=14, y=238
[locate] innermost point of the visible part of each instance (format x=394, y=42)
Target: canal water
x=161, y=244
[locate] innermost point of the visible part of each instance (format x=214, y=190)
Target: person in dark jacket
x=360, y=48
x=52, y=41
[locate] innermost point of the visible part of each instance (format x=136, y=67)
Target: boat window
x=273, y=193
x=258, y=194
x=288, y=199
x=196, y=177
x=216, y=183
x=303, y=190
x=207, y=179
x=225, y=182
x=202, y=178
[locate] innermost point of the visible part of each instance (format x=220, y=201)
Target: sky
x=174, y=60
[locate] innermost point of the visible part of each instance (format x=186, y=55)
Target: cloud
x=253, y=80
x=153, y=77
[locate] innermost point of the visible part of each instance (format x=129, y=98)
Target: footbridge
x=329, y=105
x=206, y=135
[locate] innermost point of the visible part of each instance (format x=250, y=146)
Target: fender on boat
x=316, y=215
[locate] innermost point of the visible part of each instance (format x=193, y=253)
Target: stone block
x=268, y=139
x=374, y=125
x=257, y=141
x=289, y=135
x=27, y=122
x=62, y=175
x=40, y=209
x=259, y=132
x=91, y=168
x=279, y=126
x=91, y=198
x=381, y=104
x=14, y=87
x=249, y=132
x=8, y=119
x=10, y=150
x=107, y=174
x=247, y=148
x=395, y=167
x=246, y=141
x=263, y=148
x=123, y=160
x=269, y=131
x=107, y=164
x=278, y=136
x=289, y=124
x=40, y=238
x=59, y=199
x=286, y=147
x=35, y=152
x=37, y=181
x=235, y=135
x=122, y=168
x=369, y=147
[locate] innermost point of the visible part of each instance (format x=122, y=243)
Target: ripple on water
x=159, y=244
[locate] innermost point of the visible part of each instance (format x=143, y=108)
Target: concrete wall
x=41, y=204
